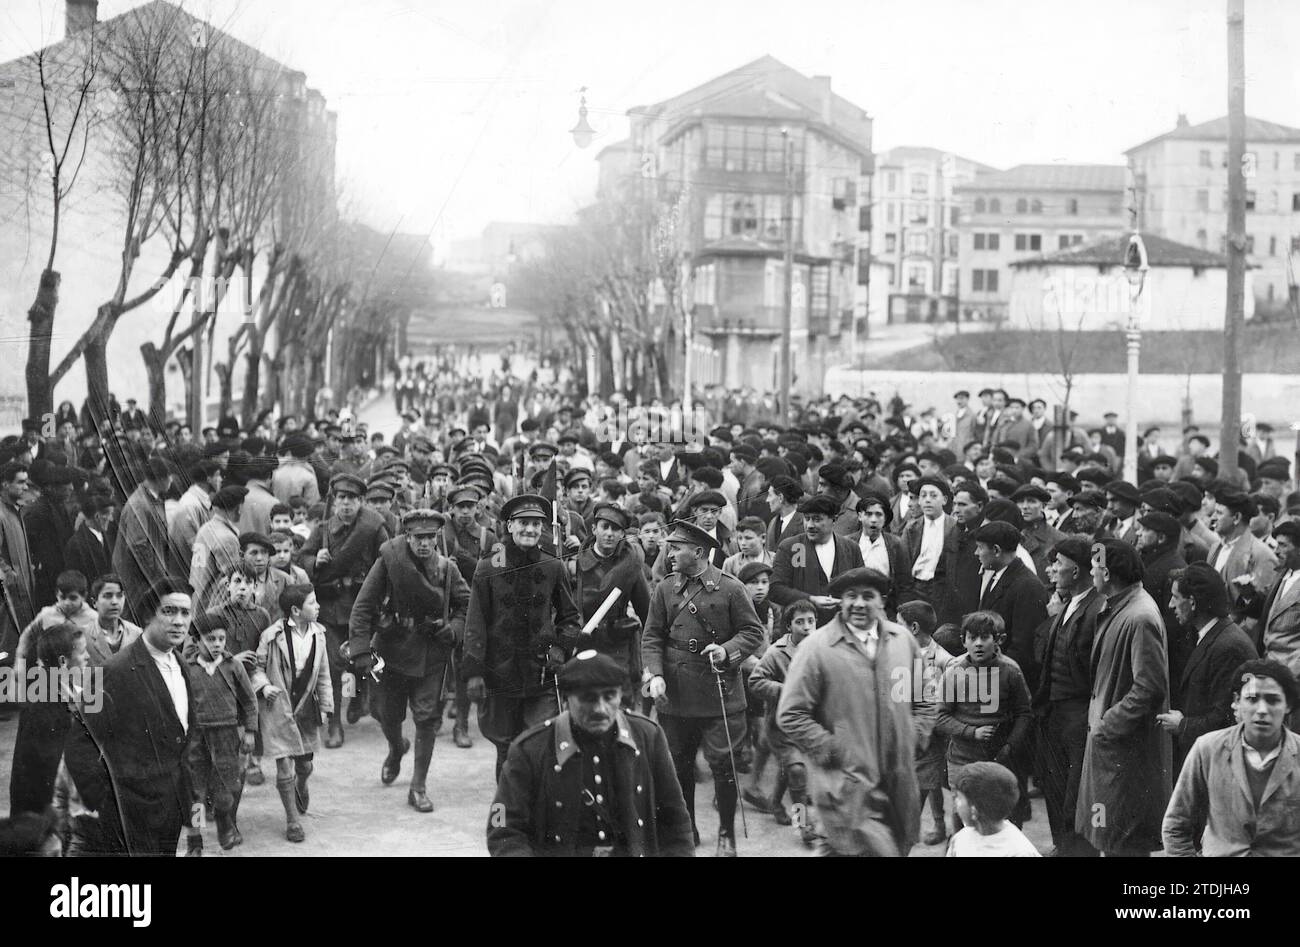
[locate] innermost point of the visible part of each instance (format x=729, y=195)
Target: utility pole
x=1230, y=422
x=787, y=316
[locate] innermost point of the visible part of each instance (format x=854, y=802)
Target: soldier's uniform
x=596, y=576
x=353, y=548
x=466, y=546
x=522, y=622
x=566, y=791
x=688, y=613
x=411, y=613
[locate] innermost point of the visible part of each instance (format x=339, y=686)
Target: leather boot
x=417, y=798
x=302, y=797
x=195, y=847
x=288, y=790
x=392, y=767
x=226, y=831
x=334, y=739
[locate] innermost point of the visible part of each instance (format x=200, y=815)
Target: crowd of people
x=846, y=613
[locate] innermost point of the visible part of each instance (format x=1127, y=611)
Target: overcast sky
x=453, y=114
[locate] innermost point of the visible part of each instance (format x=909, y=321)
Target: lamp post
x=1135, y=270
x=582, y=133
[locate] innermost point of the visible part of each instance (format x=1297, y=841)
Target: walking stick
x=731, y=750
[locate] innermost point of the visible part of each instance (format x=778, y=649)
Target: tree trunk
x=96, y=358
x=252, y=377
x=225, y=381
x=155, y=366
x=40, y=393
x=185, y=359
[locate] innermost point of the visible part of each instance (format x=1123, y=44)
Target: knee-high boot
x=288, y=789
x=418, y=797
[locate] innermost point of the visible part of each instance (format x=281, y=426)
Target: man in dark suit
x=1065, y=685
x=806, y=564
x=49, y=527
x=968, y=510
x=128, y=760
x=90, y=550
x=1201, y=700
x=1111, y=435
x=1011, y=590
x=783, y=496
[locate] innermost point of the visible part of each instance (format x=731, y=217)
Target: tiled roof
x=1052, y=177
x=903, y=152
x=764, y=88
x=1110, y=251
x=1258, y=132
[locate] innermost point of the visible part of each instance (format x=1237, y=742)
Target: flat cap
x=380, y=490
x=348, y=482
x=1162, y=523
x=752, y=570
x=1124, y=490
x=858, y=579
x=444, y=469
x=590, y=669
x=611, y=513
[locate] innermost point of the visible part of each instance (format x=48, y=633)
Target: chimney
x=1182, y=120
x=824, y=86
x=81, y=15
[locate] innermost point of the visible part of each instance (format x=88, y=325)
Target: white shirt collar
x=162, y=657
x=1205, y=629
x=1256, y=760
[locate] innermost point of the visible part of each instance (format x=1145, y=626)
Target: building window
x=979, y=242
x=1295, y=202
x=889, y=212
x=891, y=182
x=1202, y=239
x=754, y=148
x=984, y=281
x=1203, y=200
x=744, y=217
x=980, y=205
x=758, y=216
x=864, y=218
x=891, y=243
x=920, y=184
x=1250, y=200
x=1297, y=161
x=1036, y=206
x=1072, y=206
x=1272, y=246
x=1205, y=158
x=953, y=246
x=1250, y=243
x=918, y=278
x=1063, y=241
x=995, y=205
x=918, y=243
x=1029, y=241
x=920, y=213
x=954, y=216
x=1022, y=206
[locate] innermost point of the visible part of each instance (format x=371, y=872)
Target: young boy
x=986, y=793
x=112, y=632
x=757, y=578
x=225, y=711
x=751, y=536
x=69, y=606
x=984, y=702
x=765, y=683
x=281, y=517
x=300, y=506
x=244, y=621
x=43, y=725
x=283, y=558
x=931, y=773
x=651, y=536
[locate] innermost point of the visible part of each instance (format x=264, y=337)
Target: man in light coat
x=843, y=707
x=194, y=508
x=1124, y=786
x=1278, y=611
x=1240, y=787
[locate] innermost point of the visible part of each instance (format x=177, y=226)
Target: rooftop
x=1052, y=177
x=1258, y=132
x=1110, y=251
x=926, y=153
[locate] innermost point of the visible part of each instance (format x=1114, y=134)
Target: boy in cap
x=596, y=780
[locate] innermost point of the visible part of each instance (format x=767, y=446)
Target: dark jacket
x=776, y=536
x=88, y=555
x=539, y=796
x=1157, y=563
x=941, y=593
x=226, y=699
x=1066, y=670
x=413, y=614
x=594, y=578
x=49, y=528
x=520, y=605
x=1038, y=541
x=128, y=760
x=797, y=572
x=964, y=575
x=686, y=614
x=1021, y=600
x=1204, y=691
x=353, y=547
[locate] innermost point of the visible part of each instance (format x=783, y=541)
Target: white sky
x=453, y=114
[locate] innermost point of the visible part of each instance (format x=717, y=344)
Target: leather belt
x=694, y=645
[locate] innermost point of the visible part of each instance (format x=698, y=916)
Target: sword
x=731, y=749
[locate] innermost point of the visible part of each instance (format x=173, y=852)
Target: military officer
x=338, y=556
x=702, y=626
x=522, y=622
x=411, y=613
x=596, y=780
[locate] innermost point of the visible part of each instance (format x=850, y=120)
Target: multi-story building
x=720, y=151
x=1181, y=180
x=914, y=218
x=1026, y=211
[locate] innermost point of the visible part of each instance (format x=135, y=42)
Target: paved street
x=352, y=813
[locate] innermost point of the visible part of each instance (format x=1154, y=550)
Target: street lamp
x=582, y=132
x=1135, y=271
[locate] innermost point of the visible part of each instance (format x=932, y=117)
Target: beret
x=708, y=498
x=1124, y=490
x=590, y=669
x=857, y=579
x=998, y=533
x=1162, y=523
x=1031, y=492
x=835, y=475
x=751, y=570
x=1093, y=498
x=1078, y=551
x=229, y=498
x=745, y=453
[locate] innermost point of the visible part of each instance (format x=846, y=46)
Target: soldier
x=577, y=494
x=411, y=608
x=467, y=542
x=707, y=620
x=596, y=780
x=338, y=556
x=606, y=563
x=521, y=620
